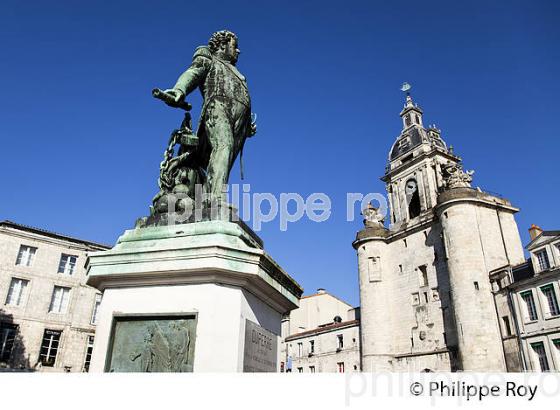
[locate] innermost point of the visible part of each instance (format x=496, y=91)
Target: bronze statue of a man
x=225, y=120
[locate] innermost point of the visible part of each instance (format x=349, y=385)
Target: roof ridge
x=29, y=228
x=323, y=329
x=330, y=294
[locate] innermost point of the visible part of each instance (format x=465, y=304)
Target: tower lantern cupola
x=414, y=170
x=411, y=114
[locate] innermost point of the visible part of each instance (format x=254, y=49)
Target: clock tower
x=425, y=273
x=414, y=170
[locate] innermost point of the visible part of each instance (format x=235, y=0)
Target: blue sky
x=82, y=138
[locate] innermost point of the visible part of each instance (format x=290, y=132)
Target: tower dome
x=414, y=134
x=414, y=167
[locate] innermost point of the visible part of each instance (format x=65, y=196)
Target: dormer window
x=542, y=259
x=404, y=143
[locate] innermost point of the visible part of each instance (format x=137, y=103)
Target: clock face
x=411, y=187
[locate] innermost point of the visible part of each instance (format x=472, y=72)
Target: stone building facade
x=321, y=336
x=425, y=291
x=47, y=313
x=534, y=296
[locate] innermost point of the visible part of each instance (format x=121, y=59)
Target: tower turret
x=480, y=235
x=375, y=289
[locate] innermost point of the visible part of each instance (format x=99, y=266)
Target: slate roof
x=523, y=271
x=416, y=135
x=39, y=231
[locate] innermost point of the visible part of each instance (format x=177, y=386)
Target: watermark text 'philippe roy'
x=258, y=208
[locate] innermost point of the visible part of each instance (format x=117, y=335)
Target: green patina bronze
x=205, y=158
x=152, y=344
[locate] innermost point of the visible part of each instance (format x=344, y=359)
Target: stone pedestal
x=201, y=297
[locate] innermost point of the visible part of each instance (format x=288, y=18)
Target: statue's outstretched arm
x=194, y=75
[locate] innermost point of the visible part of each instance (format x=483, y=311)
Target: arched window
x=412, y=198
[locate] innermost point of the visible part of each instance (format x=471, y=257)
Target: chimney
x=321, y=291
x=534, y=231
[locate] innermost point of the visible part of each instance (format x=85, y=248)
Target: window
x=530, y=308
x=300, y=349
x=311, y=369
x=49, y=347
x=67, y=264
x=59, y=300
x=538, y=348
x=89, y=351
x=407, y=120
x=16, y=293
x=423, y=275
x=374, y=269
x=340, y=341
x=542, y=259
x=404, y=143
x=8, y=333
x=556, y=343
x=476, y=287
x=25, y=255
x=340, y=367
x=550, y=294
x=96, y=305
x=312, y=346
x=412, y=198
x=507, y=327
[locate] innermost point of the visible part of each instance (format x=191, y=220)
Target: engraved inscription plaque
x=152, y=344
x=261, y=347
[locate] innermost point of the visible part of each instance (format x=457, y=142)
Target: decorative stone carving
x=455, y=177
x=153, y=345
x=373, y=217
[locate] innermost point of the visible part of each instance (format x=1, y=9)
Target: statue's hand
x=253, y=130
x=175, y=93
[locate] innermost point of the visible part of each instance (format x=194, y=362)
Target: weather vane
x=405, y=88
